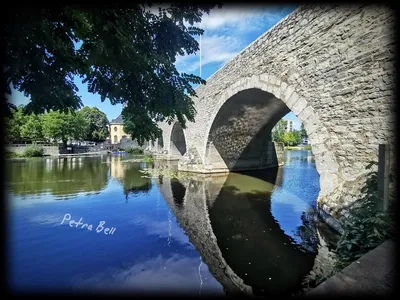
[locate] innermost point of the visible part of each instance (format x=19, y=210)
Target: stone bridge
x=333, y=67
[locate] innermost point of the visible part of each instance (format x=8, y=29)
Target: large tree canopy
x=97, y=124
x=126, y=55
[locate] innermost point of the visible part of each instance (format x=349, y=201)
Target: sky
x=228, y=31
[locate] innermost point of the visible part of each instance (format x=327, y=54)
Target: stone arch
x=177, y=140
x=274, y=88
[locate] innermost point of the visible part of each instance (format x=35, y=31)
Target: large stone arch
x=279, y=90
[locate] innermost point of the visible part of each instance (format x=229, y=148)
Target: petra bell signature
x=100, y=227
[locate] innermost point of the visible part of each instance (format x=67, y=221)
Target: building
x=117, y=130
x=304, y=140
x=289, y=126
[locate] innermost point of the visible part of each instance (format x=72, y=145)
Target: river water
x=98, y=224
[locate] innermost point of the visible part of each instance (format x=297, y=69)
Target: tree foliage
x=13, y=124
x=289, y=139
x=126, y=55
x=297, y=137
x=97, y=122
x=303, y=132
x=64, y=126
x=86, y=124
x=366, y=227
x=279, y=130
x=32, y=129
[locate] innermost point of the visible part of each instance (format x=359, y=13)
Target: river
x=99, y=224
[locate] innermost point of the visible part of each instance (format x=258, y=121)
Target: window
x=115, y=139
x=115, y=128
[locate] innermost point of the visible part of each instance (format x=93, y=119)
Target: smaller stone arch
x=177, y=140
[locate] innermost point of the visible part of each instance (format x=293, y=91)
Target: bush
x=366, y=227
x=148, y=159
x=135, y=151
x=33, y=151
x=11, y=155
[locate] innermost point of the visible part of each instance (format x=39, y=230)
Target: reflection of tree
x=132, y=181
x=57, y=176
x=307, y=232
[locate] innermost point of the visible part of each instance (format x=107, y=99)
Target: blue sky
x=227, y=32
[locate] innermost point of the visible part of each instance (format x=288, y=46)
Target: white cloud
x=215, y=49
x=227, y=32
x=157, y=274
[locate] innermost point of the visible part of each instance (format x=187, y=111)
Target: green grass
x=307, y=147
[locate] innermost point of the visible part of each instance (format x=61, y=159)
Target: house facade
x=116, y=129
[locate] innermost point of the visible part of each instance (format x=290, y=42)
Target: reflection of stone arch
x=178, y=140
x=178, y=192
x=193, y=218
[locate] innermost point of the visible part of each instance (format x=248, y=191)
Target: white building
x=289, y=126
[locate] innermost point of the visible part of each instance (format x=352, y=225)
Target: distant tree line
x=291, y=138
x=86, y=124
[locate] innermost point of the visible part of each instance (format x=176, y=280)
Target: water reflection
x=248, y=233
x=60, y=177
x=238, y=237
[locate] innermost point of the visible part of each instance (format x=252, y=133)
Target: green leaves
x=365, y=228
x=96, y=121
x=126, y=56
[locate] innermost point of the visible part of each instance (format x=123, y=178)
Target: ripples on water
x=250, y=232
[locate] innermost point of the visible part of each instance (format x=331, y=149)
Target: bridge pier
x=271, y=155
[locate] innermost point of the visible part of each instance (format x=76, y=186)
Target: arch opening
x=240, y=135
x=178, y=141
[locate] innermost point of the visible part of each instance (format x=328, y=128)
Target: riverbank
x=307, y=147
x=371, y=274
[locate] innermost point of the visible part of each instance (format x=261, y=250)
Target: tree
x=288, y=138
x=126, y=55
x=32, y=129
x=303, y=132
x=13, y=124
x=64, y=126
x=97, y=123
x=297, y=137
x=279, y=130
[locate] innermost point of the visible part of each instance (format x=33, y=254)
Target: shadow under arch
x=178, y=140
x=240, y=135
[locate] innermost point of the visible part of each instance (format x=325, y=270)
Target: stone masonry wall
x=333, y=66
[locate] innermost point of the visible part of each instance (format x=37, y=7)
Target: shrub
x=33, y=151
x=11, y=154
x=135, y=151
x=148, y=159
x=366, y=227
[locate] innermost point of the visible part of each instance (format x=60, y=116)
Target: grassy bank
x=307, y=147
